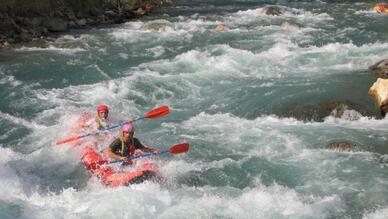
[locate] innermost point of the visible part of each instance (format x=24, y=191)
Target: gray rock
x=55, y=24
x=381, y=68
x=110, y=13
x=320, y=111
x=81, y=22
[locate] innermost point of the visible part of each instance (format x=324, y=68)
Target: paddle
x=176, y=149
x=155, y=113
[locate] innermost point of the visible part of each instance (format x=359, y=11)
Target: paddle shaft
x=121, y=124
x=162, y=151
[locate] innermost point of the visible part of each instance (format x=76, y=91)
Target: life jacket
x=131, y=148
x=100, y=124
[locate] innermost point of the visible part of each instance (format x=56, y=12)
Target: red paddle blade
x=179, y=148
x=68, y=140
x=158, y=112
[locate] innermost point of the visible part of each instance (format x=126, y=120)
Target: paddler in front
x=126, y=145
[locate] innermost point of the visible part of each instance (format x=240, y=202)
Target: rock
x=341, y=109
x=110, y=13
x=4, y=44
x=379, y=91
x=156, y=27
x=221, y=28
x=81, y=22
x=302, y=112
x=290, y=25
x=21, y=19
x=71, y=24
x=139, y=12
x=272, y=11
x=35, y=21
x=341, y=146
x=145, y=9
x=381, y=68
x=338, y=109
x=55, y=24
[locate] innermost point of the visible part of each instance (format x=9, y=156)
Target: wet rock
x=4, y=44
x=147, y=8
x=156, y=27
x=81, y=22
x=339, y=109
x=381, y=68
x=290, y=25
x=55, y=24
x=342, y=146
x=302, y=112
x=317, y=113
x=110, y=13
x=379, y=91
x=272, y=11
x=221, y=28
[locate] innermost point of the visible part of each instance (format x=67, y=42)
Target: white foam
x=21, y=121
x=380, y=213
x=9, y=79
x=52, y=48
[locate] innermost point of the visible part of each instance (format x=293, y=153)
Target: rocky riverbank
x=26, y=21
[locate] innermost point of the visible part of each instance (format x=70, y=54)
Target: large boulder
x=381, y=68
x=379, y=91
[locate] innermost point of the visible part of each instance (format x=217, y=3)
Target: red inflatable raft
x=98, y=165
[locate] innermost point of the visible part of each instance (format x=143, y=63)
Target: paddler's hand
x=156, y=151
x=126, y=161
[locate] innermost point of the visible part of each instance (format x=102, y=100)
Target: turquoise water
x=228, y=93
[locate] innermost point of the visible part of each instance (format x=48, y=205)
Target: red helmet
x=102, y=108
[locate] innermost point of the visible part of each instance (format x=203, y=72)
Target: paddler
x=126, y=145
x=99, y=123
